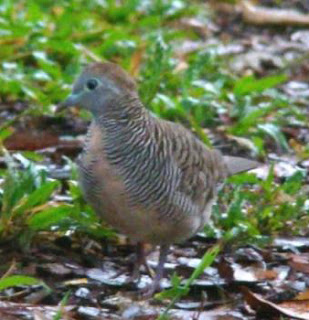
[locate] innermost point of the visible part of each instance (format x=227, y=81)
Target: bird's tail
x=237, y=165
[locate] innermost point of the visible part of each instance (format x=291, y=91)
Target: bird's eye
x=92, y=84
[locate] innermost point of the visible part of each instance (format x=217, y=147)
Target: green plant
x=24, y=192
x=177, y=291
x=20, y=280
x=258, y=209
x=63, y=302
x=27, y=207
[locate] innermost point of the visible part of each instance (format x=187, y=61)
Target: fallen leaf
x=31, y=140
x=265, y=307
x=296, y=242
x=56, y=269
x=299, y=263
x=76, y=282
x=301, y=306
x=237, y=273
x=217, y=314
x=303, y=295
x=199, y=27
x=263, y=15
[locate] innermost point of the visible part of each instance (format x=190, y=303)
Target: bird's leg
x=155, y=285
x=139, y=261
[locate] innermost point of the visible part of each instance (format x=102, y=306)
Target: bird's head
x=98, y=86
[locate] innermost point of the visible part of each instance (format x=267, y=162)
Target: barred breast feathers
x=164, y=167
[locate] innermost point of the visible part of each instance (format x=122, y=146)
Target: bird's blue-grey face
x=92, y=92
x=100, y=86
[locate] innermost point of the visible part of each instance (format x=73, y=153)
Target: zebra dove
x=151, y=179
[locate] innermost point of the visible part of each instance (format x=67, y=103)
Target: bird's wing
x=199, y=168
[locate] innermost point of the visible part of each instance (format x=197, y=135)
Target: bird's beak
x=70, y=101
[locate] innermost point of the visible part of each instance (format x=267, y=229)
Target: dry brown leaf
x=136, y=61
x=199, y=27
x=225, y=7
x=299, y=263
x=8, y=309
x=88, y=53
x=216, y=314
x=263, y=306
x=76, y=282
x=31, y=140
x=301, y=306
x=182, y=65
x=243, y=142
x=283, y=197
x=262, y=274
x=262, y=15
x=11, y=269
x=236, y=272
x=55, y=269
x=38, y=315
x=303, y=295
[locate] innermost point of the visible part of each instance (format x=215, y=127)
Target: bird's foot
x=135, y=277
x=136, y=261
x=150, y=290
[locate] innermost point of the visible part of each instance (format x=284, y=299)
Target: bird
x=151, y=179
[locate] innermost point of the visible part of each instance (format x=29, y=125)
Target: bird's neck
x=124, y=115
x=128, y=136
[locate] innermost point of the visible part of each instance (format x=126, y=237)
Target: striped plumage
x=151, y=179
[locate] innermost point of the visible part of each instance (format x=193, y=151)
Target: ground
x=240, y=87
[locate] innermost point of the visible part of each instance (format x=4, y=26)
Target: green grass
x=45, y=44
x=27, y=205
